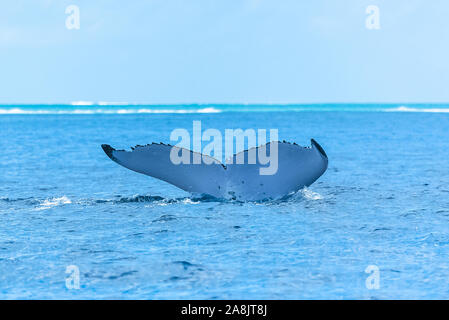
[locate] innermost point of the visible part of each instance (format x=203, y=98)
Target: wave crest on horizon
x=22, y=111
x=410, y=109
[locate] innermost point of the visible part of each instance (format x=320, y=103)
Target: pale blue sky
x=217, y=51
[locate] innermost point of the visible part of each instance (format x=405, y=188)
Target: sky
x=222, y=51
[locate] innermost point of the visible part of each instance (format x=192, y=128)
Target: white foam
x=53, y=202
x=108, y=111
x=311, y=195
x=82, y=103
x=106, y=103
x=408, y=109
x=102, y=108
x=132, y=111
x=190, y=201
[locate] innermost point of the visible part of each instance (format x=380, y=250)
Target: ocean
x=383, y=204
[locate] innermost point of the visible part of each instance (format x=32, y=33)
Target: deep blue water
x=384, y=201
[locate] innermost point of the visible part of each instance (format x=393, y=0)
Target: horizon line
x=105, y=103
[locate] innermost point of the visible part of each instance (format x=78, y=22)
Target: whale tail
x=294, y=167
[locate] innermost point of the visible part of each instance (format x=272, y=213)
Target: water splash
x=53, y=202
x=310, y=195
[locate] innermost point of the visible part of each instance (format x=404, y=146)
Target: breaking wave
x=409, y=109
x=105, y=111
x=87, y=107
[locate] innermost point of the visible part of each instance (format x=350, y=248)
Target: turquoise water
x=384, y=201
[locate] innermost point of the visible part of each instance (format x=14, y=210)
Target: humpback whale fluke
x=297, y=167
